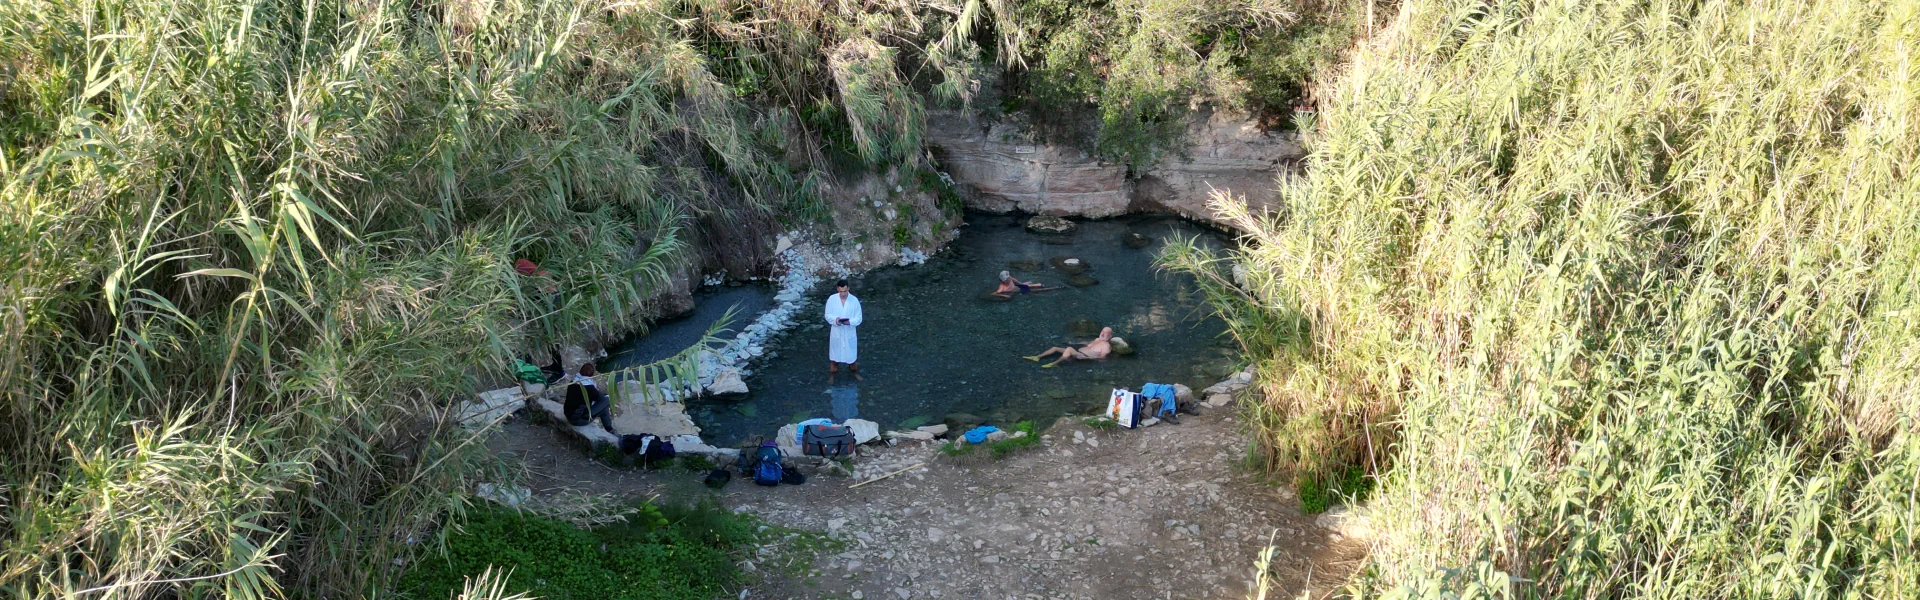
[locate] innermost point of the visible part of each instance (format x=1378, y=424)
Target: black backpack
x=718, y=478
x=832, y=441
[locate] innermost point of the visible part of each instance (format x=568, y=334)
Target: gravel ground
x=1157, y=512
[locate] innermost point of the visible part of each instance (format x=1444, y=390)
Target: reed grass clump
x=1613, y=299
x=252, y=251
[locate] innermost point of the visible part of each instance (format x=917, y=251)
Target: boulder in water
x=1082, y=281
x=1069, y=265
x=1050, y=225
x=1024, y=266
x=1120, y=346
x=1136, y=241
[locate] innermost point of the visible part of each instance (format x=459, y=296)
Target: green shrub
x=673, y=553
x=1317, y=494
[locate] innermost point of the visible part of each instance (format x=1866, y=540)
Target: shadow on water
x=931, y=344
x=668, y=338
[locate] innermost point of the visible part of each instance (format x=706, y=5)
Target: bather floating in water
x=1095, y=350
x=1009, y=285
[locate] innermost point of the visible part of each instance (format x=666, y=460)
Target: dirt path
x=1158, y=512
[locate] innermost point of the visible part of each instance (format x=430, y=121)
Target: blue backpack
x=766, y=467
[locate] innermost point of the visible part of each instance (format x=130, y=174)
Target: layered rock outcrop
x=999, y=167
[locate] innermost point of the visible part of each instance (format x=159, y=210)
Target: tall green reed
x=1616, y=299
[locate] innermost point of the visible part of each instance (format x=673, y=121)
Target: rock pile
x=724, y=372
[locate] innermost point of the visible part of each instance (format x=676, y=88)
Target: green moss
x=1010, y=445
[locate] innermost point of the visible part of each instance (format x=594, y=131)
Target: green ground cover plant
x=1613, y=299
x=665, y=552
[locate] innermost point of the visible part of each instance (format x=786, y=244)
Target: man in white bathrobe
x=843, y=316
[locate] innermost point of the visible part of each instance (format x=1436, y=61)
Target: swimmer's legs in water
x=1065, y=355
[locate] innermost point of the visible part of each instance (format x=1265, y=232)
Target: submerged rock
x=1082, y=281
x=1120, y=346
x=1024, y=266
x=1136, y=241
x=1051, y=225
x=1083, y=328
x=962, y=421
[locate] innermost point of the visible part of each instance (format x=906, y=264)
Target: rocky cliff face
x=1000, y=168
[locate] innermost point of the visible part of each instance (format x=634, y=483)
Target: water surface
x=931, y=345
x=669, y=337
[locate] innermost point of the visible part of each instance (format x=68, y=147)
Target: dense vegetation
x=1122, y=77
x=1616, y=299
x=668, y=553
x=251, y=250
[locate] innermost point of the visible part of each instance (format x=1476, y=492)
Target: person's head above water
x=1106, y=332
x=1005, y=275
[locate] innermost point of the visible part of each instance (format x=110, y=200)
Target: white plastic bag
x=1124, y=408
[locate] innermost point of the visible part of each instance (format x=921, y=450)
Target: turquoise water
x=931, y=345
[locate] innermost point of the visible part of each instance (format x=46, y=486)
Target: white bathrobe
x=842, y=347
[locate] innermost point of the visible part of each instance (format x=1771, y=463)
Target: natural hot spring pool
x=931, y=346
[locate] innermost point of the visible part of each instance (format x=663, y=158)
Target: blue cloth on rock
x=1166, y=393
x=979, y=434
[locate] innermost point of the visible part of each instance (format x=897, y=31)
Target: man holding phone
x=843, y=317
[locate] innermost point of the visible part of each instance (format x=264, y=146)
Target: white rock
x=1219, y=400
x=692, y=444
x=997, y=436
x=934, y=430
x=863, y=430
x=1182, y=394
x=727, y=382
x=781, y=244
x=787, y=440
x=1151, y=421
x=911, y=435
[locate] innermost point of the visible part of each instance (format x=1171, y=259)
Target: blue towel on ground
x=1167, y=395
x=979, y=434
x=800, y=432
